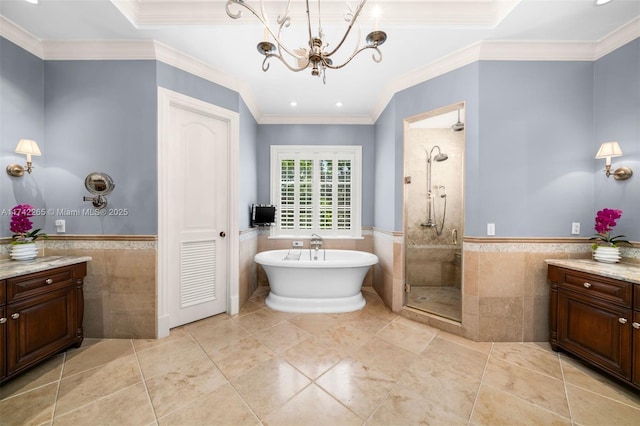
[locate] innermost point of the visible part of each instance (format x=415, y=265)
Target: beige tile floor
x=264, y=367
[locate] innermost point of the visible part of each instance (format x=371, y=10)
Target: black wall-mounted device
x=263, y=215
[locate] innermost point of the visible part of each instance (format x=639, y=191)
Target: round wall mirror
x=99, y=183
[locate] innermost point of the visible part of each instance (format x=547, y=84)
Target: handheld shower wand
x=430, y=223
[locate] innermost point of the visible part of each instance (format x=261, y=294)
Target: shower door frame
x=405, y=199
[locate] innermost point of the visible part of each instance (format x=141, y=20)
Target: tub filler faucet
x=315, y=244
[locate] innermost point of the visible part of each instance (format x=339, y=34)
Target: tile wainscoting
x=120, y=286
x=504, y=292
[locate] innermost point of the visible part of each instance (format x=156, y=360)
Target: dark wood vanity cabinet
x=42, y=315
x=635, y=329
x=3, y=329
x=593, y=318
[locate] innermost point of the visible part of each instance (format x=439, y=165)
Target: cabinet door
x=599, y=332
x=3, y=339
x=636, y=348
x=39, y=327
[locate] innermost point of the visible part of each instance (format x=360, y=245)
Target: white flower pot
x=27, y=251
x=607, y=254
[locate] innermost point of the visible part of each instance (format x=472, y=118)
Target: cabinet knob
x=622, y=320
x=636, y=325
x=586, y=285
x=15, y=316
x=49, y=281
x=3, y=320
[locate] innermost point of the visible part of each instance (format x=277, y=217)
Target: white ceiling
x=425, y=38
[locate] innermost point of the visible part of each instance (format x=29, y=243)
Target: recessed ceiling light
x=601, y=2
x=293, y=103
x=32, y=1
x=338, y=104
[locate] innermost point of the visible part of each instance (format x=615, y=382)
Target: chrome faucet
x=316, y=242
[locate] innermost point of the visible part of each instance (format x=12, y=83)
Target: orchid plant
x=605, y=222
x=21, y=225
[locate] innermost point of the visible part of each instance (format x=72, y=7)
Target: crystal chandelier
x=317, y=55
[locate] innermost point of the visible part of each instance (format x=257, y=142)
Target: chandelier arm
x=346, y=34
x=227, y=8
x=286, y=16
x=377, y=60
x=285, y=22
x=281, y=59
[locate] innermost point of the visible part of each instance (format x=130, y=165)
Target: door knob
x=222, y=234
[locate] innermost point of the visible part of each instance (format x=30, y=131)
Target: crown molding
x=526, y=50
x=98, y=50
x=20, y=37
x=152, y=50
x=617, y=38
x=315, y=119
x=469, y=13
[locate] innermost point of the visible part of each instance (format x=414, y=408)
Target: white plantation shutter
x=316, y=189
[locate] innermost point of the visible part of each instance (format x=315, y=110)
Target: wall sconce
x=612, y=149
x=28, y=147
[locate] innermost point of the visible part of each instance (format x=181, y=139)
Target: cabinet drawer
x=606, y=289
x=38, y=283
x=636, y=304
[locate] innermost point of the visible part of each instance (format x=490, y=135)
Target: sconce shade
x=608, y=150
x=28, y=146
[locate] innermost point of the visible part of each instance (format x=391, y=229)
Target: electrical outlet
x=298, y=244
x=60, y=226
x=575, y=228
x=491, y=229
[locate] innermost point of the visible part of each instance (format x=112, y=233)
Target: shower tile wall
x=434, y=260
x=434, y=266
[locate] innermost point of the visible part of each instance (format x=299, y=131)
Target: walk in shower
x=434, y=146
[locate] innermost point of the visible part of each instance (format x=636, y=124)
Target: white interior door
x=197, y=214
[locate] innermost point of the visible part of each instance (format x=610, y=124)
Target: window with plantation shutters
x=316, y=189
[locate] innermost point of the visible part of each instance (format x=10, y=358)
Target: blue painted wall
x=248, y=167
x=188, y=84
x=97, y=116
x=101, y=116
x=21, y=117
x=617, y=118
x=385, y=180
x=532, y=130
x=535, y=157
x=456, y=86
x=272, y=134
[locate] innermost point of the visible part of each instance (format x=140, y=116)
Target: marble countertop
x=12, y=268
x=619, y=271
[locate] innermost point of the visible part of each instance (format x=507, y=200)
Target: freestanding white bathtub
x=330, y=284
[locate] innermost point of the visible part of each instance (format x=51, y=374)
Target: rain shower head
x=441, y=157
x=459, y=126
